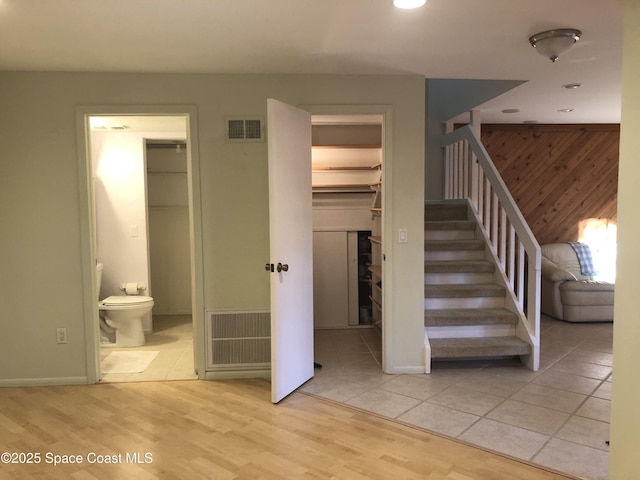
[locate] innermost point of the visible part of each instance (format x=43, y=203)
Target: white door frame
x=87, y=231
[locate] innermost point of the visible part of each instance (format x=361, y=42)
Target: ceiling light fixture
x=572, y=86
x=104, y=123
x=553, y=43
x=409, y=3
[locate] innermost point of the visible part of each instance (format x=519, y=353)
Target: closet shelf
x=340, y=189
x=376, y=270
x=376, y=304
x=344, y=168
x=376, y=239
x=341, y=168
x=349, y=145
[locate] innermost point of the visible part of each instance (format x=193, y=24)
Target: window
x=600, y=235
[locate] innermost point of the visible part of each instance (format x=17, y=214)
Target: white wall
x=118, y=163
x=41, y=203
x=624, y=461
x=446, y=99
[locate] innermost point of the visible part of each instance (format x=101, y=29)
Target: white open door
x=291, y=247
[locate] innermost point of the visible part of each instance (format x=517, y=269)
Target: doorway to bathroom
x=142, y=222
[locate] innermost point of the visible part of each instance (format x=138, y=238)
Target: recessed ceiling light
x=572, y=86
x=565, y=110
x=511, y=110
x=409, y=3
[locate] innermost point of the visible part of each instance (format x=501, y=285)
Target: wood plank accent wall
x=557, y=174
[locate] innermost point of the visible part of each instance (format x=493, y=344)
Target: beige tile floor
x=557, y=417
x=172, y=338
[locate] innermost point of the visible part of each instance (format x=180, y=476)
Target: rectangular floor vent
x=245, y=130
x=238, y=340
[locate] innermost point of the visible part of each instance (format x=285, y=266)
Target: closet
x=347, y=160
x=168, y=217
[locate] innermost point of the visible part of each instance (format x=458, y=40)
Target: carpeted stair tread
x=449, y=225
x=464, y=290
x=450, y=245
x=458, y=266
x=446, y=210
x=469, y=316
x=478, y=347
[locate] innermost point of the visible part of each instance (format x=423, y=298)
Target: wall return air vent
x=245, y=129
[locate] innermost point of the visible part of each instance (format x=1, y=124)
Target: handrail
x=469, y=173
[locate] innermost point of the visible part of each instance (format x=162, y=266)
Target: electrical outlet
x=61, y=335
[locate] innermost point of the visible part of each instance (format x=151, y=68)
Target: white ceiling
x=461, y=39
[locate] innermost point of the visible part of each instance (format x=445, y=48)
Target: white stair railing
x=470, y=174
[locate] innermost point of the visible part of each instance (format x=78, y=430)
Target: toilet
x=123, y=314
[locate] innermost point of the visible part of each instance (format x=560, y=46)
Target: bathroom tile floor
x=172, y=337
x=557, y=417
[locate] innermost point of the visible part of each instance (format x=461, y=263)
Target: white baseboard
x=406, y=370
x=236, y=374
x=43, y=382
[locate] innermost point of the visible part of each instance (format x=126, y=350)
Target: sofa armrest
x=553, y=272
x=550, y=302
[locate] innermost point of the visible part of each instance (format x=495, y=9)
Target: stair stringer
x=522, y=330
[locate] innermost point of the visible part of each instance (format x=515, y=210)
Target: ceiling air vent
x=245, y=130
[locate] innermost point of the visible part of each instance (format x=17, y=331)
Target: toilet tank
x=99, y=267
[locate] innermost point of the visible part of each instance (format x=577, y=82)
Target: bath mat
x=127, y=362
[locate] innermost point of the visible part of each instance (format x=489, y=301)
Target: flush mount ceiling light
x=105, y=123
x=553, y=43
x=409, y=3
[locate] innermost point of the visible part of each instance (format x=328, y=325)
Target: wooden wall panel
x=558, y=174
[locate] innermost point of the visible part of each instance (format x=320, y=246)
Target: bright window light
x=600, y=234
x=409, y=3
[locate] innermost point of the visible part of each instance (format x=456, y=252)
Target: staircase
x=466, y=314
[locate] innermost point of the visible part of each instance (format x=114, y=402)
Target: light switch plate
x=61, y=335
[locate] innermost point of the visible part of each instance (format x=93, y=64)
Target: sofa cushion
x=587, y=293
x=565, y=257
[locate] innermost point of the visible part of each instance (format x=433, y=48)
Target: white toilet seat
x=125, y=302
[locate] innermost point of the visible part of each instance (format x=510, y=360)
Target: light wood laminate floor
x=225, y=430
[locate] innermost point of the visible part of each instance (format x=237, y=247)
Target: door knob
x=282, y=267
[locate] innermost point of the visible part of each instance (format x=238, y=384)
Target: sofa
x=568, y=289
